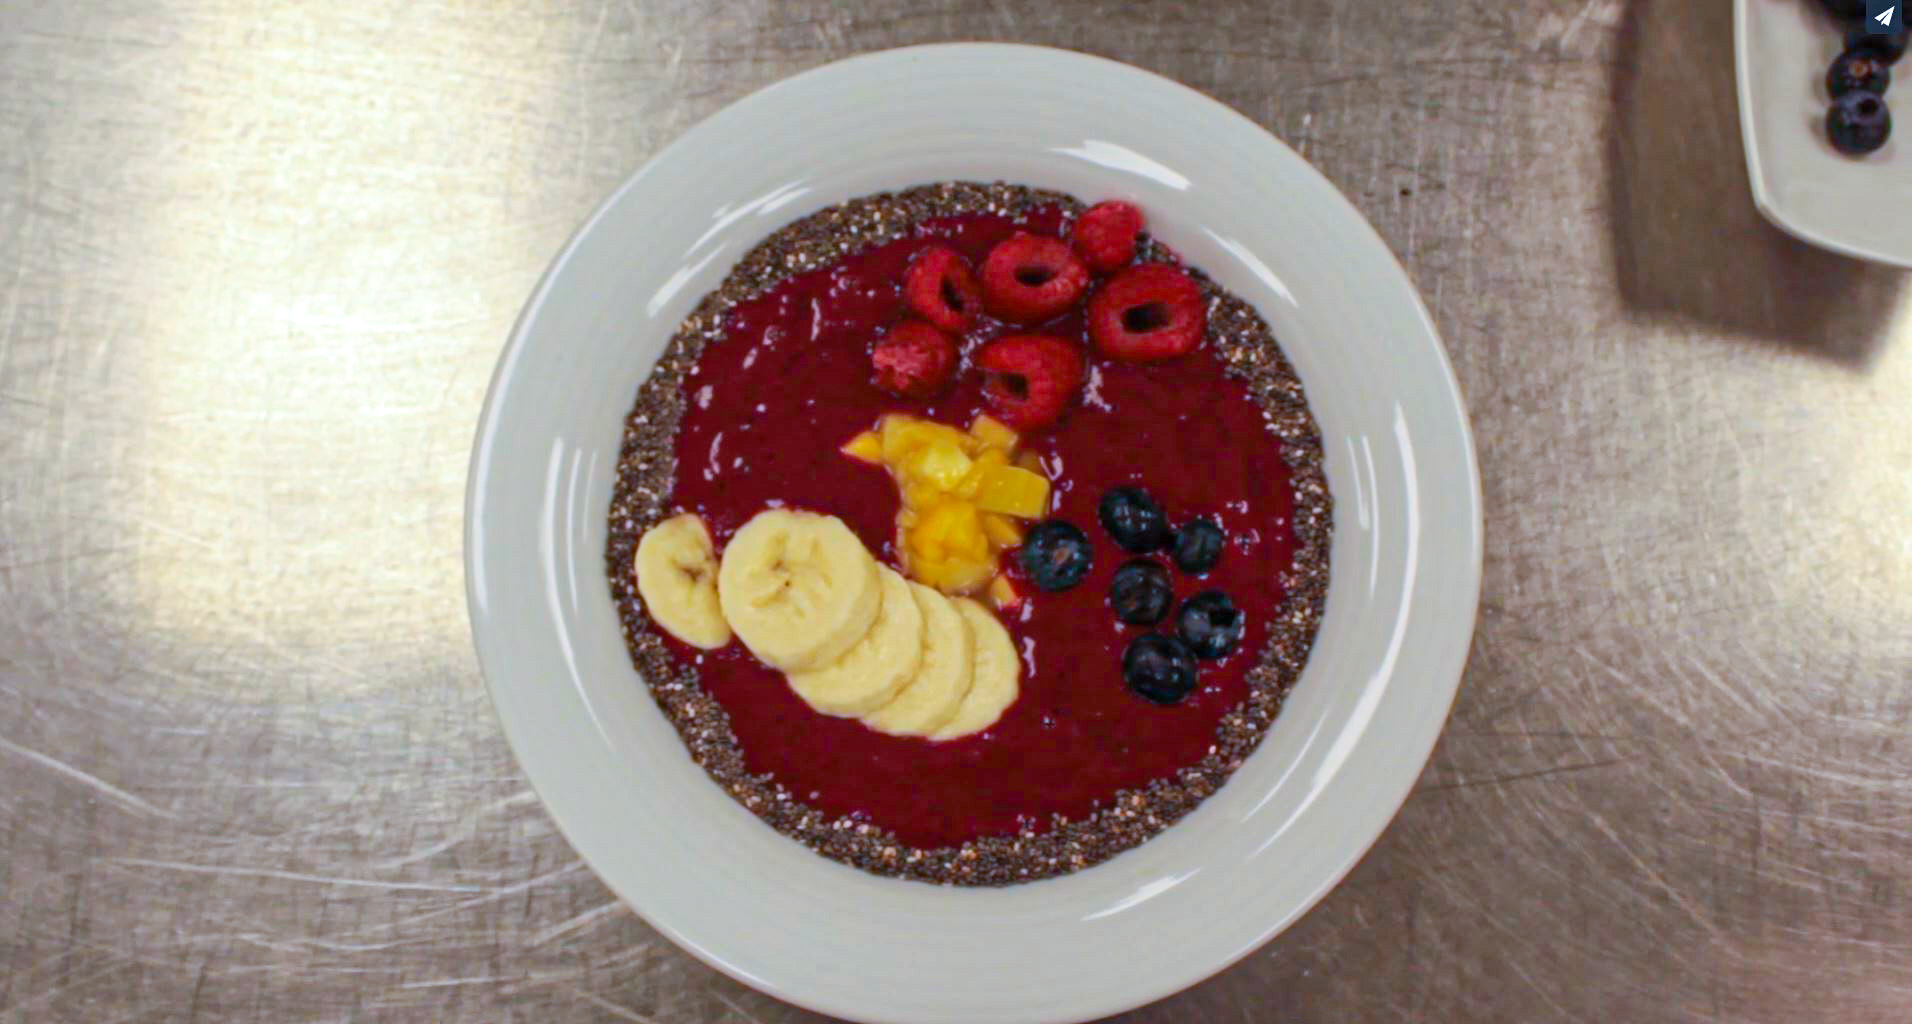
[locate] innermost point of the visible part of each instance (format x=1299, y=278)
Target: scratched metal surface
x=256, y=261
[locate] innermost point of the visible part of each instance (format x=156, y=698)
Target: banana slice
x=871, y=673
x=932, y=696
x=997, y=674
x=798, y=588
x=676, y=567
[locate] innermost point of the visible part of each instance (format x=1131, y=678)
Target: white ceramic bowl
x=1856, y=206
x=1331, y=772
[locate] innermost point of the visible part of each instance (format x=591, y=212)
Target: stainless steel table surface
x=257, y=259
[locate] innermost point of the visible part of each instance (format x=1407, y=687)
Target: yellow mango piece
x=900, y=437
x=962, y=494
x=905, y=434
x=955, y=576
x=926, y=569
x=924, y=543
x=971, y=546
x=1001, y=530
x=920, y=494
x=867, y=446
x=976, y=545
x=971, y=481
x=993, y=433
x=943, y=465
x=946, y=549
x=950, y=523
x=944, y=434
x=952, y=532
x=1013, y=491
x=1002, y=594
x=970, y=577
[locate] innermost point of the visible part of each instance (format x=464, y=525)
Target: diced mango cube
x=905, y=434
x=1013, y=491
x=930, y=570
x=1002, y=594
x=926, y=569
x=955, y=576
x=934, y=574
x=890, y=429
x=899, y=438
x=971, y=481
x=962, y=495
x=919, y=493
x=972, y=546
x=867, y=446
x=952, y=524
x=943, y=465
x=1001, y=530
x=991, y=432
x=924, y=547
x=970, y=576
x=943, y=433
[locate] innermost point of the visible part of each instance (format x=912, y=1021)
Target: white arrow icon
x=1886, y=17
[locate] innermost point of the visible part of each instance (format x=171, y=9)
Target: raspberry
x=914, y=360
x=1105, y=235
x=1032, y=378
x=940, y=288
x=1029, y=278
x=1147, y=313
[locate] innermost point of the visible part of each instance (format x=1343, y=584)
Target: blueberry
x=1159, y=668
x=1858, y=71
x=1198, y=546
x=1210, y=624
x=1141, y=593
x=1056, y=555
x=1858, y=123
x=1890, y=45
x=1133, y=519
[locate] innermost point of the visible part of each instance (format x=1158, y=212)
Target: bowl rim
x=1445, y=678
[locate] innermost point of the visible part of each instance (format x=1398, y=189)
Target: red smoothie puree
x=766, y=411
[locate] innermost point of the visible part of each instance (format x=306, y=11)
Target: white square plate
x=1858, y=206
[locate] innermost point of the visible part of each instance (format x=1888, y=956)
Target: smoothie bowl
x=927, y=545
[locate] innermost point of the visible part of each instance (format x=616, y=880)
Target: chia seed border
x=645, y=479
